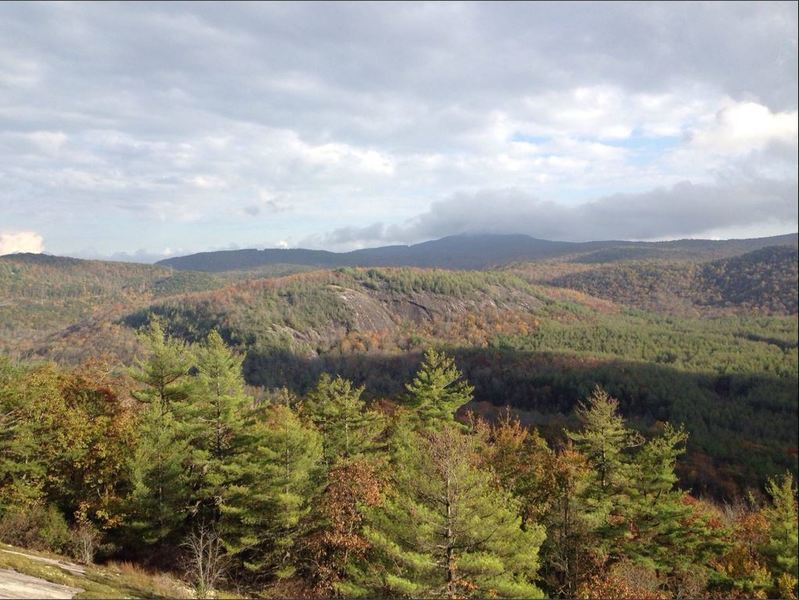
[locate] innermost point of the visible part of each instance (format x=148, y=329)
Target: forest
x=584, y=426
x=176, y=463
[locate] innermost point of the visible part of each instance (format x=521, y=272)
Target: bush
x=205, y=560
x=84, y=541
x=38, y=528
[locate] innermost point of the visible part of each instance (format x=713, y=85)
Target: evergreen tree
x=158, y=502
x=446, y=529
x=273, y=509
x=348, y=428
x=603, y=440
x=164, y=372
x=437, y=390
x=783, y=535
x=217, y=420
x=666, y=532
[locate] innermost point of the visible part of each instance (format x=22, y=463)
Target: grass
x=112, y=580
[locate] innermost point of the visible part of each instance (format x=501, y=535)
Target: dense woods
x=760, y=282
x=732, y=379
x=296, y=435
x=327, y=494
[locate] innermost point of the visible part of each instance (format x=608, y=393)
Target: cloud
x=21, y=241
x=681, y=210
x=746, y=126
x=193, y=125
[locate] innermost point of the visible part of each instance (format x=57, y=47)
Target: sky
x=136, y=131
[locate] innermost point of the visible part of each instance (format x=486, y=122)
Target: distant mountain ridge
x=474, y=252
x=762, y=281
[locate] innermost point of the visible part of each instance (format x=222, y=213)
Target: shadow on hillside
x=748, y=424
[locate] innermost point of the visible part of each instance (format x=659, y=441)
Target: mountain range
x=474, y=252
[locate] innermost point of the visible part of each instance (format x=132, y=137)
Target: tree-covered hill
x=535, y=347
x=172, y=462
x=731, y=379
x=760, y=282
x=42, y=294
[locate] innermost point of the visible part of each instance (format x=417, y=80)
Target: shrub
x=83, y=542
x=38, y=528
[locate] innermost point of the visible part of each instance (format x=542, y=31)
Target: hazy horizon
x=143, y=131
x=148, y=259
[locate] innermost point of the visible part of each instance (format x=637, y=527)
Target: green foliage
x=157, y=505
x=164, y=373
x=730, y=379
x=626, y=505
x=604, y=439
x=669, y=535
x=29, y=407
x=216, y=419
x=37, y=527
x=359, y=488
x=781, y=547
x=323, y=496
x=438, y=390
x=276, y=505
x=446, y=530
x=347, y=426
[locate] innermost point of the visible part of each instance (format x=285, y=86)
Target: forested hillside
x=173, y=462
x=42, y=294
x=760, y=282
x=714, y=349
x=731, y=380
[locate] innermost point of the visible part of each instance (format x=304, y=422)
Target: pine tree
x=604, y=438
x=348, y=428
x=164, y=372
x=783, y=535
x=437, y=390
x=606, y=442
x=158, y=502
x=446, y=529
x=159, y=495
x=666, y=533
x=273, y=509
x=217, y=420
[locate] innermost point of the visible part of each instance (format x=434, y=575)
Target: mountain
x=731, y=380
x=473, y=252
x=700, y=347
x=41, y=294
x=763, y=281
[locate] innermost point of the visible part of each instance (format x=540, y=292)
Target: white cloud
x=21, y=241
x=49, y=142
x=205, y=125
x=744, y=127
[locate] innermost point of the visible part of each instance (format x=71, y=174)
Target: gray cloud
x=682, y=210
x=196, y=124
